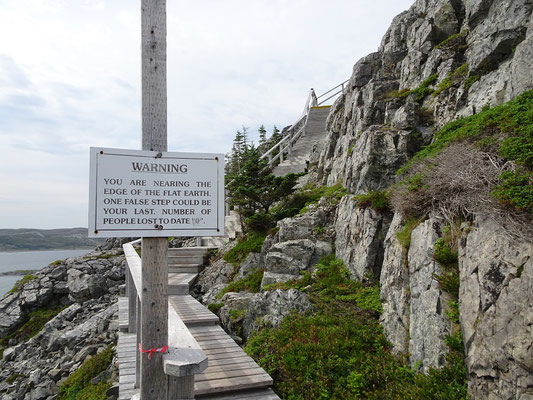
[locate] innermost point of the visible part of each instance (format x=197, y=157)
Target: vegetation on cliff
x=479, y=163
x=34, y=322
x=78, y=385
x=338, y=351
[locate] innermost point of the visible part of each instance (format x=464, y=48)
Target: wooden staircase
x=232, y=229
x=231, y=373
x=315, y=131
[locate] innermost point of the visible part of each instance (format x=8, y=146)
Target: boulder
x=359, y=238
x=270, y=307
x=287, y=260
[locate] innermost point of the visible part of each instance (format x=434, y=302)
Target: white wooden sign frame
x=136, y=193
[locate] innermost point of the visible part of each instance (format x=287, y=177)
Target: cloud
x=70, y=79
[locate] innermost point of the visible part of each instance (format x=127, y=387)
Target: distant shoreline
x=19, y=272
x=24, y=250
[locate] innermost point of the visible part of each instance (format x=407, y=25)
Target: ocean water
x=30, y=260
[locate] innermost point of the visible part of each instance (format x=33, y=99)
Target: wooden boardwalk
x=231, y=373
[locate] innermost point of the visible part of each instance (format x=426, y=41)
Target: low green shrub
x=368, y=298
x=454, y=42
x=35, y=321
x=415, y=182
x=404, y=236
x=236, y=315
x=299, y=283
x=420, y=93
x=453, y=312
x=339, y=351
x=471, y=80
x=449, y=281
x=21, y=282
x=12, y=378
x=512, y=119
x=453, y=78
x=376, y=199
x=424, y=89
x=214, y=307
x=516, y=190
x=250, y=283
x=443, y=253
x=78, y=385
x=251, y=243
x=102, y=256
x=397, y=94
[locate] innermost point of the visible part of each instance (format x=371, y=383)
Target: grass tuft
x=78, y=385
x=251, y=243
x=18, y=284
x=376, y=199
x=250, y=283
x=339, y=351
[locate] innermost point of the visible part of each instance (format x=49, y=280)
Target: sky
x=70, y=79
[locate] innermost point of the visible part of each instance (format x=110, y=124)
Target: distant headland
x=26, y=239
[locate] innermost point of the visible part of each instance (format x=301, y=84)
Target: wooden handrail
x=184, y=358
x=341, y=85
x=295, y=131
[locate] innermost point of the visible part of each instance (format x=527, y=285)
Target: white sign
x=151, y=194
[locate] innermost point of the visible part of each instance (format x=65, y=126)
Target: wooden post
x=154, y=295
x=138, y=354
x=181, y=387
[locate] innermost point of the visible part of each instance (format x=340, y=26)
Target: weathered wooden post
x=154, y=304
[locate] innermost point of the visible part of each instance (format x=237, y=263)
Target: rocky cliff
x=77, y=299
x=439, y=61
x=457, y=267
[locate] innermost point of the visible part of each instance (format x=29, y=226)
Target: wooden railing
x=298, y=128
x=184, y=357
x=337, y=89
x=293, y=134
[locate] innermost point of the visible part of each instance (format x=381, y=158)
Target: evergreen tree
x=262, y=136
x=255, y=189
x=240, y=143
x=276, y=136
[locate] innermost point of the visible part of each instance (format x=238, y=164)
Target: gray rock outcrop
x=496, y=311
x=298, y=245
x=428, y=325
x=359, y=238
x=87, y=286
x=394, y=288
x=373, y=128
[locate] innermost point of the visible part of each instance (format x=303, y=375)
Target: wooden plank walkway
x=192, y=312
x=126, y=352
x=231, y=373
x=123, y=314
x=230, y=368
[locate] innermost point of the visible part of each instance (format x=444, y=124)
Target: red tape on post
x=151, y=351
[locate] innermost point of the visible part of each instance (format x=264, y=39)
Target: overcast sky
x=70, y=79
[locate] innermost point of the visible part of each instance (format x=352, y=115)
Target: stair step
x=187, y=258
x=179, y=283
x=182, y=251
x=178, y=269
